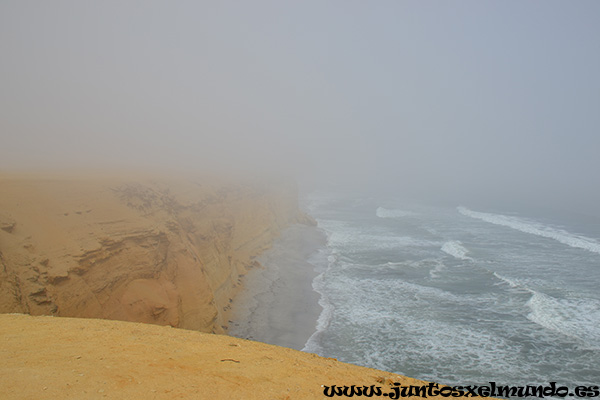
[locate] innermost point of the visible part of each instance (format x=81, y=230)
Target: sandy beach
x=278, y=304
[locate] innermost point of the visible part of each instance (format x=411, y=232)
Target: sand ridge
x=69, y=358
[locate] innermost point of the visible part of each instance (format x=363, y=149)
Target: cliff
x=160, y=251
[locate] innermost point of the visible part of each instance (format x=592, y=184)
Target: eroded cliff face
x=157, y=251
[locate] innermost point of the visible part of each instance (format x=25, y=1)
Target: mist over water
x=391, y=115
x=477, y=102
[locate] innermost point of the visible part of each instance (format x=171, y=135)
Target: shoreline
x=277, y=304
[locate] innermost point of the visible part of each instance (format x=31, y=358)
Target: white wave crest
x=456, y=250
x=577, y=318
x=313, y=344
x=435, y=272
x=349, y=239
x=511, y=282
x=392, y=213
x=534, y=228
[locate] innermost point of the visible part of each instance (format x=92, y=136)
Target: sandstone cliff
x=158, y=251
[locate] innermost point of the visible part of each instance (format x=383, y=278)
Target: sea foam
x=313, y=344
x=511, y=282
x=535, y=228
x=456, y=250
x=577, y=318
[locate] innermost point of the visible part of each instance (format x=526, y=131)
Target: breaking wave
x=577, y=318
x=535, y=228
x=456, y=250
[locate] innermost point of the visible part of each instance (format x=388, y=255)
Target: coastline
x=165, y=250
x=95, y=251
x=277, y=304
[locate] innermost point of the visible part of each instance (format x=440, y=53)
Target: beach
x=278, y=304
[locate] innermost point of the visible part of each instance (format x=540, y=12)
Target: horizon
x=491, y=101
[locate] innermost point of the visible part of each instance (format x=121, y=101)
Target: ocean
x=458, y=294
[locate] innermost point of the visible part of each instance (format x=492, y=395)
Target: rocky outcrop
x=157, y=251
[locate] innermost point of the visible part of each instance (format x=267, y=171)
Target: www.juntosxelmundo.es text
x=396, y=391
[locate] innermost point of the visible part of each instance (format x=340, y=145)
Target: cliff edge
x=162, y=251
x=70, y=358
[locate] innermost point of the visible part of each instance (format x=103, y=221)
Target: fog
x=436, y=100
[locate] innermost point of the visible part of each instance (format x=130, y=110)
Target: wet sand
x=278, y=304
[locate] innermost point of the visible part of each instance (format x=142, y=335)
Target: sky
x=454, y=100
